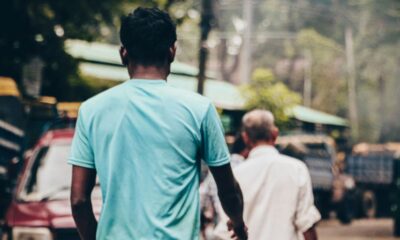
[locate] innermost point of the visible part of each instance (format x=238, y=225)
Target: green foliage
x=39, y=28
x=266, y=92
x=329, y=86
x=312, y=40
x=318, y=27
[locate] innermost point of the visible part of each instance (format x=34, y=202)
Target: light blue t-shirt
x=145, y=139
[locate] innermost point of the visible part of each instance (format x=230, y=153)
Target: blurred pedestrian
x=144, y=139
x=210, y=206
x=239, y=151
x=277, y=189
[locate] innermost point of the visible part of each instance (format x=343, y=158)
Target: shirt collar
x=263, y=150
x=137, y=81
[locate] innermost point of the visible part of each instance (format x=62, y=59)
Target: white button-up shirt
x=278, y=198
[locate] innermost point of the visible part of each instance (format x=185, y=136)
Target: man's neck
x=148, y=72
x=263, y=143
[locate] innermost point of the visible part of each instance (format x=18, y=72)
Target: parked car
x=333, y=190
x=40, y=207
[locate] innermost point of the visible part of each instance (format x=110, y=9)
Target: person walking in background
x=144, y=139
x=210, y=205
x=279, y=202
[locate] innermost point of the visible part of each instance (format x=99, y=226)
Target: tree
x=266, y=92
x=319, y=28
x=38, y=29
x=328, y=72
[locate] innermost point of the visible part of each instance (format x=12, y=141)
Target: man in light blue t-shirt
x=144, y=140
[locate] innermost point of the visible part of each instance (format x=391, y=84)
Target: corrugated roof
x=310, y=115
x=224, y=95
x=102, y=61
x=109, y=54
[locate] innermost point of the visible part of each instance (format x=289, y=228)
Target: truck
x=375, y=169
x=332, y=189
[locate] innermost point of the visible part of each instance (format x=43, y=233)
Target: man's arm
x=310, y=234
x=231, y=198
x=307, y=214
x=83, y=182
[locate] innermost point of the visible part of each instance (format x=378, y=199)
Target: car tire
x=322, y=203
x=369, y=204
x=345, y=210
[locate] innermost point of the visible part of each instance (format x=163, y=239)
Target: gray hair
x=258, y=124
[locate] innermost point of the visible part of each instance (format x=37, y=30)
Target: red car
x=40, y=209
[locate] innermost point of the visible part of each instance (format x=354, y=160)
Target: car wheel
x=345, y=210
x=322, y=203
x=369, y=204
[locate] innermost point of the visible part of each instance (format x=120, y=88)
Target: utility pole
x=382, y=111
x=247, y=37
x=307, y=91
x=351, y=75
x=205, y=27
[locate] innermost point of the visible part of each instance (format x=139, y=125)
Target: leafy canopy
x=266, y=92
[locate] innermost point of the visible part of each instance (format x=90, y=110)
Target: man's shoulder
x=291, y=161
x=103, y=99
x=188, y=96
x=190, y=100
x=278, y=160
x=297, y=169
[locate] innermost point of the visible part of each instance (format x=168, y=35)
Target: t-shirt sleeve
x=213, y=146
x=306, y=212
x=81, y=149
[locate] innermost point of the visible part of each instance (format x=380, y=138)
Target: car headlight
x=31, y=233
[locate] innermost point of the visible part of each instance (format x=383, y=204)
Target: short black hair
x=147, y=34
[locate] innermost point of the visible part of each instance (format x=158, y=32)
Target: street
x=365, y=229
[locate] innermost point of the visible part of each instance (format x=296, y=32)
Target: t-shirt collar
x=146, y=81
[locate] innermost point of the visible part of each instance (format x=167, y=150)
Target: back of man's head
x=148, y=34
x=259, y=126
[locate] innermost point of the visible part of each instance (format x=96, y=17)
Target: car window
x=49, y=174
x=319, y=151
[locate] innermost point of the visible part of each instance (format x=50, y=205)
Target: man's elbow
x=228, y=195
x=232, y=197
x=79, y=202
x=310, y=234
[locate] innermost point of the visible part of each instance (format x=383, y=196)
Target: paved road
x=366, y=229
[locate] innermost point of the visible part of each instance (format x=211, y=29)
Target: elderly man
x=277, y=189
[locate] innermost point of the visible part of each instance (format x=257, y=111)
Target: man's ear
x=246, y=139
x=124, y=56
x=172, y=53
x=275, y=134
